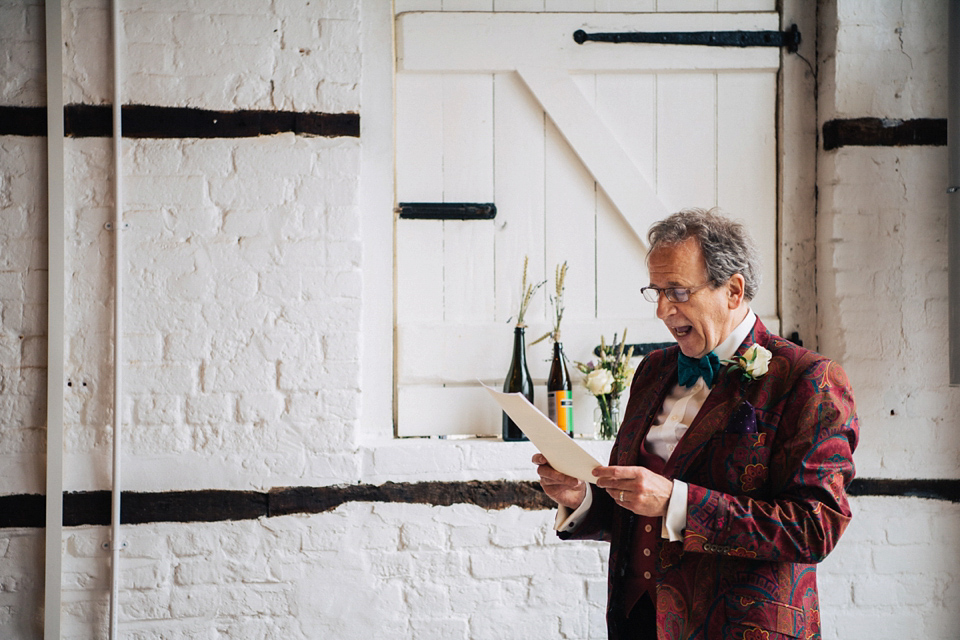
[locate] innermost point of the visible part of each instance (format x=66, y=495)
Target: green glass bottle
x=518, y=380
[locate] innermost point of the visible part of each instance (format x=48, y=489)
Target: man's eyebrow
x=671, y=284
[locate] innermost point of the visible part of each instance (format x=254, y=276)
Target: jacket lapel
x=726, y=395
x=646, y=404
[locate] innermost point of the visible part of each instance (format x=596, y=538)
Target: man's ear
x=736, y=286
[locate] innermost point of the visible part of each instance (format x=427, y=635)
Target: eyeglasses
x=673, y=294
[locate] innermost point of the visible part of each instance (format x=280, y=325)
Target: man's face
x=710, y=315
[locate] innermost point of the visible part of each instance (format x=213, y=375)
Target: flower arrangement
x=606, y=379
x=753, y=363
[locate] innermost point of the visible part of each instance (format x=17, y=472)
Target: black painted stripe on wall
x=143, y=121
x=948, y=490
x=93, y=507
x=884, y=132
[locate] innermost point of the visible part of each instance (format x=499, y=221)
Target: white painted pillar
x=953, y=212
x=56, y=314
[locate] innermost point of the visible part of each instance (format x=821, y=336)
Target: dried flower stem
x=526, y=293
x=556, y=301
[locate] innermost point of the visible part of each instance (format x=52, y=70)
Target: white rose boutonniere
x=753, y=363
x=599, y=382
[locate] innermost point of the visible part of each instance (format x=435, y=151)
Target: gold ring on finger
x=621, y=496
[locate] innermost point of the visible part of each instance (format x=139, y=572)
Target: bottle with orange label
x=560, y=392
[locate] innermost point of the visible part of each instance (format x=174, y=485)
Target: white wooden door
x=581, y=148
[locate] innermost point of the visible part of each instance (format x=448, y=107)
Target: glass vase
x=606, y=417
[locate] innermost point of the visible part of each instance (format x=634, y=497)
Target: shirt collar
x=726, y=349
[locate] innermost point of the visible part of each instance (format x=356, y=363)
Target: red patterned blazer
x=767, y=462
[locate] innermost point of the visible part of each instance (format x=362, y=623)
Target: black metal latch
x=447, y=210
x=789, y=39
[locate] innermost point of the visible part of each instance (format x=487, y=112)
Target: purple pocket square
x=743, y=419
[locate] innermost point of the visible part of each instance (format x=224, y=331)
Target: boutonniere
x=753, y=363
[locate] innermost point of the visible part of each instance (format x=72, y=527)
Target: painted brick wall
x=242, y=305
x=441, y=572
x=882, y=303
x=882, y=258
x=362, y=571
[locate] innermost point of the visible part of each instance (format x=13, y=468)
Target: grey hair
x=727, y=247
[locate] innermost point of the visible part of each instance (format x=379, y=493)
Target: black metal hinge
x=447, y=210
x=789, y=39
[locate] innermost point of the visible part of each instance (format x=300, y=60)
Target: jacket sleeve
x=600, y=519
x=597, y=523
x=802, y=509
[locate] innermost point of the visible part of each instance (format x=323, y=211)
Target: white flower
x=754, y=361
x=599, y=382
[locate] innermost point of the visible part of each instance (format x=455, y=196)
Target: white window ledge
x=435, y=459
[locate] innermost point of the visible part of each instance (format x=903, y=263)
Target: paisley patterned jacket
x=767, y=462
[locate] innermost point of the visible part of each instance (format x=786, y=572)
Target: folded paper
x=563, y=453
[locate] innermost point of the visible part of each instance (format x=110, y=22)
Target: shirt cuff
x=567, y=521
x=676, y=519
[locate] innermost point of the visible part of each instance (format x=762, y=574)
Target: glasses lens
x=677, y=295
x=650, y=294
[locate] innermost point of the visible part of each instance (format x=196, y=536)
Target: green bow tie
x=691, y=369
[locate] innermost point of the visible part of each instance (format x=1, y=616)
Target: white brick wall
x=243, y=304
x=891, y=576
x=414, y=571
x=904, y=45
x=882, y=249
x=258, y=288
x=23, y=305
x=359, y=571
x=23, y=82
x=225, y=54
x=882, y=295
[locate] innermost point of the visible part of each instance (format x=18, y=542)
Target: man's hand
x=636, y=488
x=561, y=488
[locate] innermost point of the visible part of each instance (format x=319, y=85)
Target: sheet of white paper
x=564, y=454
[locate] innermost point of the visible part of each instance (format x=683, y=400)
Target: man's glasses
x=673, y=294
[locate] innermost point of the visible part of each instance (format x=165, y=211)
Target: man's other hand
x=636, y=488
x=562, y=489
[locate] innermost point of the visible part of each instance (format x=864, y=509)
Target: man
x=727, y=480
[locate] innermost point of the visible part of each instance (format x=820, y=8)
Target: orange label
x=560, y=409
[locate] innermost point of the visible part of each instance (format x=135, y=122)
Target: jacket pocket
x=737, y=463
x=751, y=613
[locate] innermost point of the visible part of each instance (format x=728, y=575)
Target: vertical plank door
x=580, y=147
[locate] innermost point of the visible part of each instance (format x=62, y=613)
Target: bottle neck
x=559, y=378
x=519, y=348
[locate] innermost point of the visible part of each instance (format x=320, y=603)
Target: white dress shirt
x=676, y=415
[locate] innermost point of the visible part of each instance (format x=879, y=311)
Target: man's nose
x=664, y=306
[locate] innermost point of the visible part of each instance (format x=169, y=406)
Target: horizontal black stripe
x=948, y=490
x=143, y=121
x=93, y=507
x=884, y=132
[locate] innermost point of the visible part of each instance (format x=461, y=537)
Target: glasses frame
x=671, y=293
